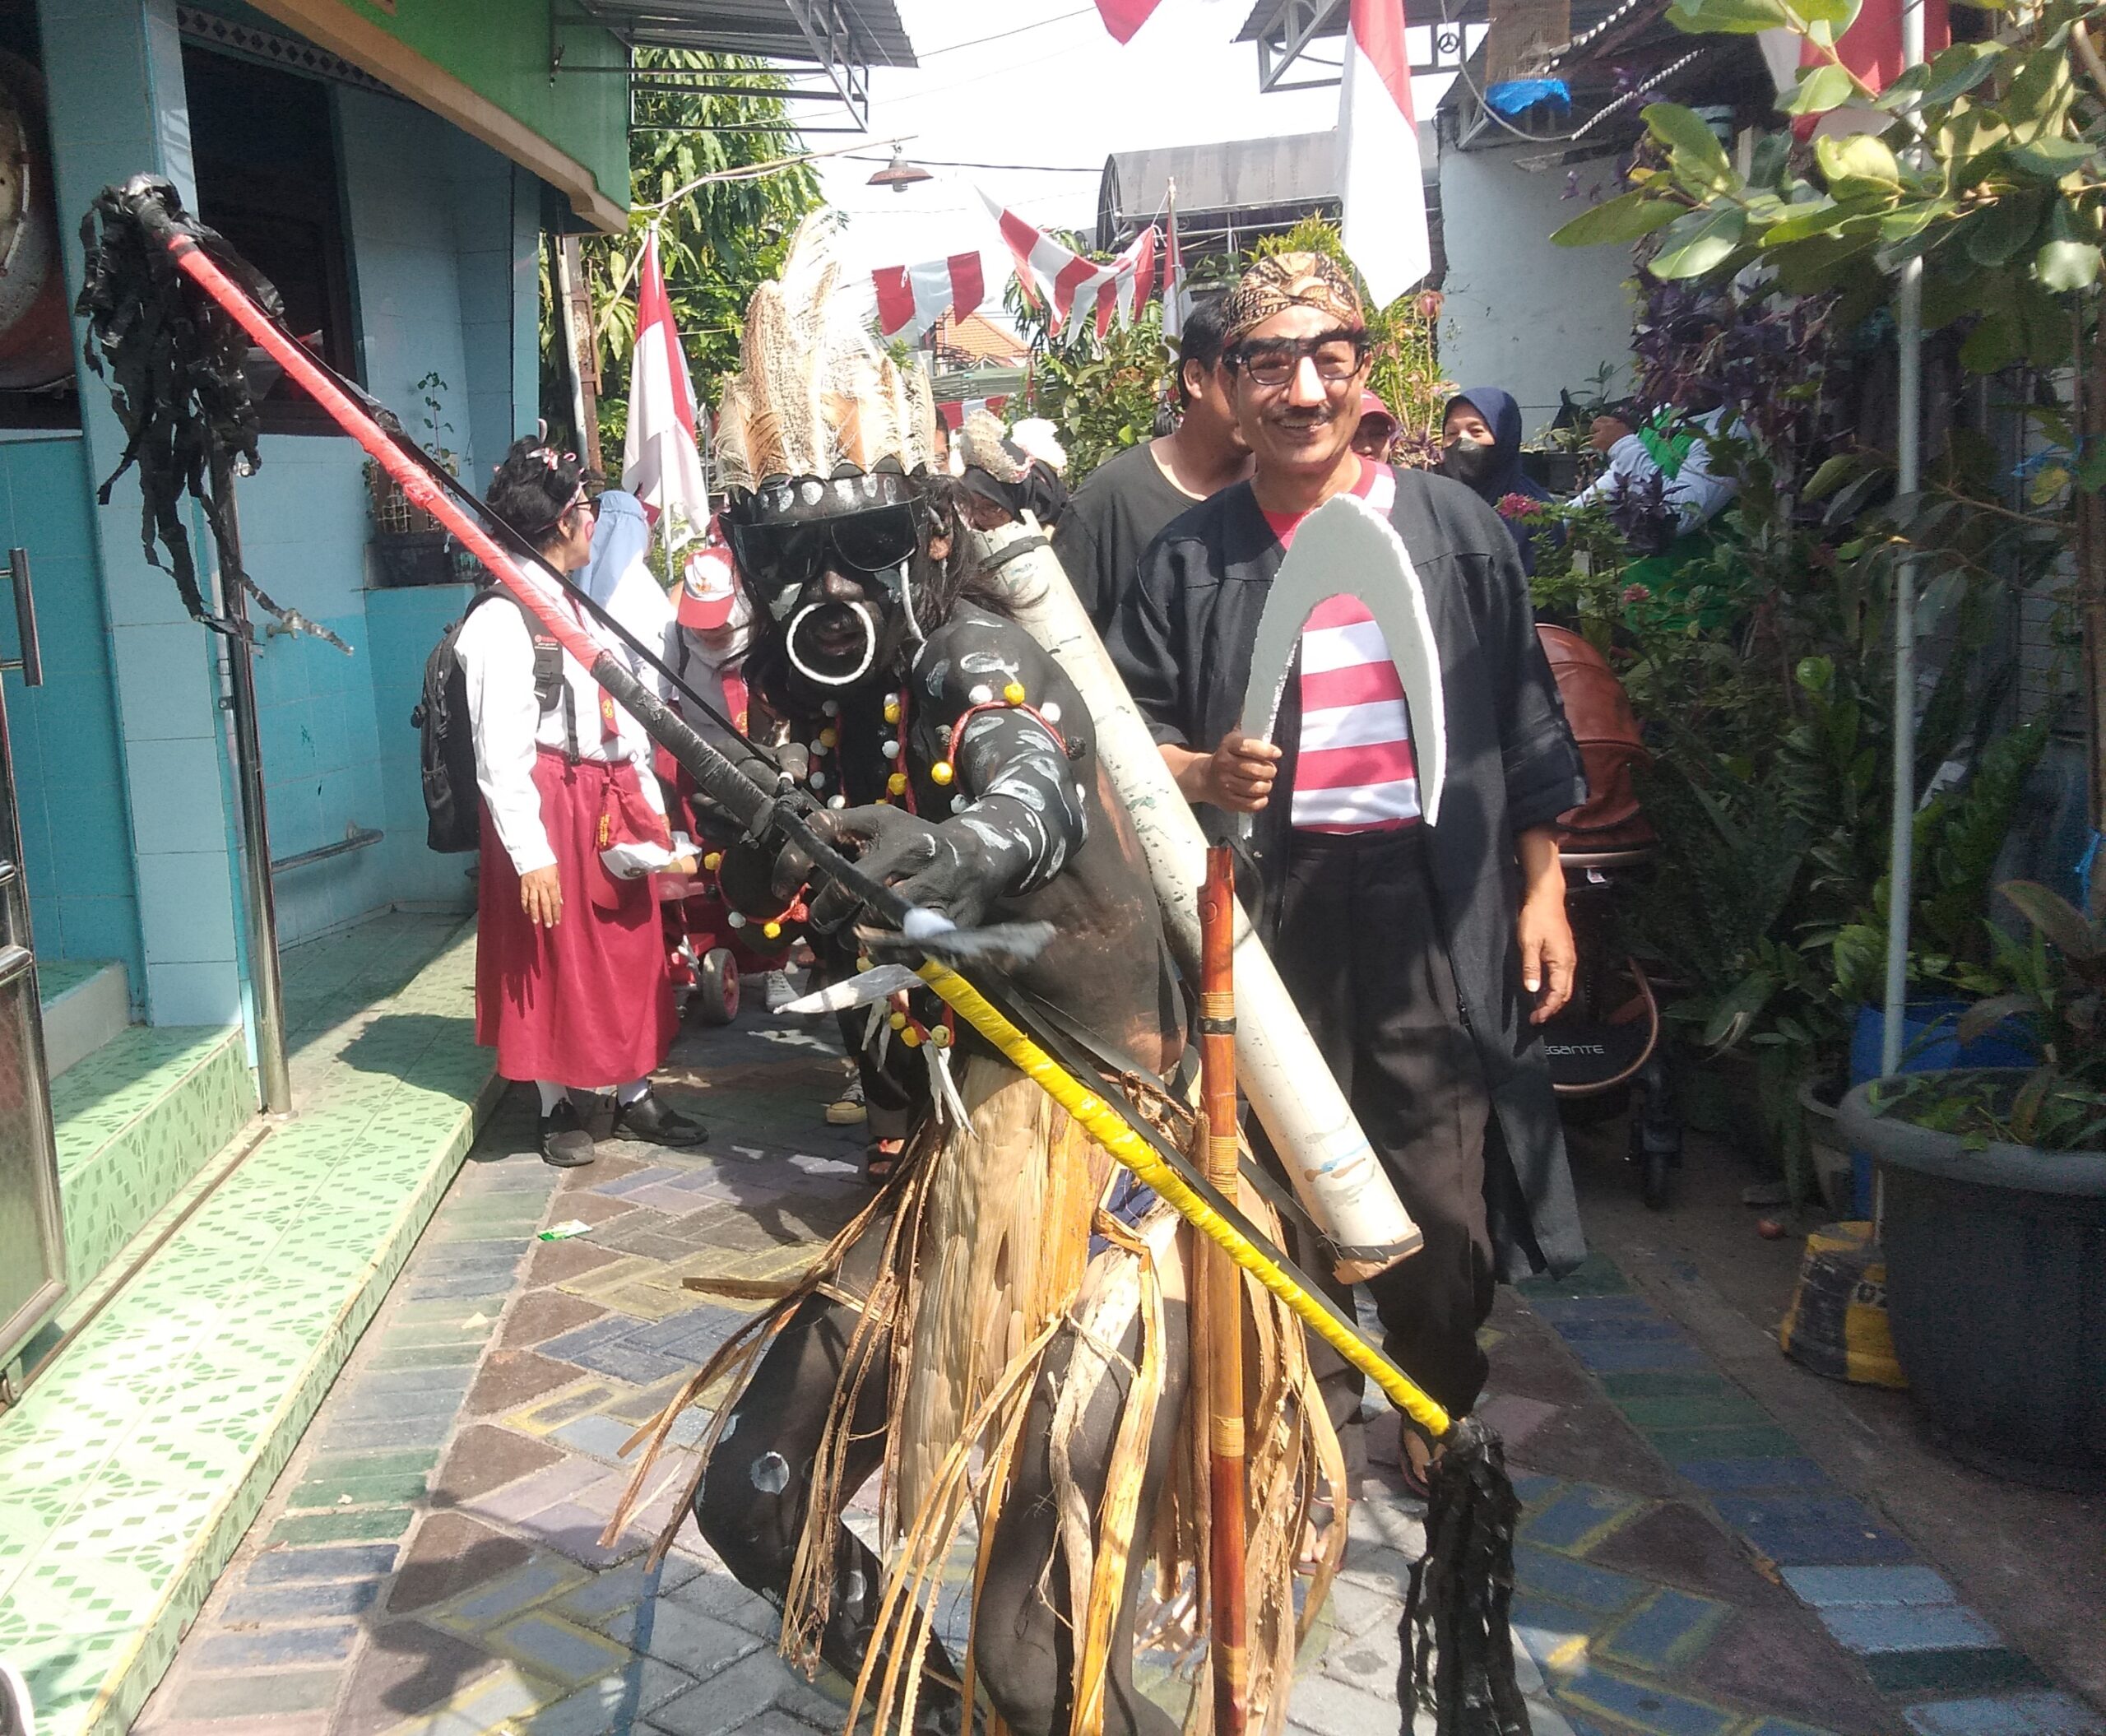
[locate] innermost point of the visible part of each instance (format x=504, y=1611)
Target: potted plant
x=1994, y=1219
x=413, y=547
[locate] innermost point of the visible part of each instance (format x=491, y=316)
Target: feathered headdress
x=814, y=393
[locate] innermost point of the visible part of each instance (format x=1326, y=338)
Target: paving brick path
x=430, y=1562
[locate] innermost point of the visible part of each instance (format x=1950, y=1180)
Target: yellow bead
x=1014, y=693
x=713, y=860
x=912, y=1038
x=772, y=929
x=941, y=1036
x=941, y=771
x=897, y=783
x=864, y=962
x=897, y=1021
x=829, y=738
x=885, y=801
x=892, y=710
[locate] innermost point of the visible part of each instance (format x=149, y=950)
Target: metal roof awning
x=841, y=40
x=1239, y=186
x=1288, y=34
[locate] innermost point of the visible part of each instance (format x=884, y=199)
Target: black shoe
x=649, y=1119
x=564, y=1141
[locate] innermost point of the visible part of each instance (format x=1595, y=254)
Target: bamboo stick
x=1222, y=1292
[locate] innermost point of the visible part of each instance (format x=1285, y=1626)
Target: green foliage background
x=716, y=244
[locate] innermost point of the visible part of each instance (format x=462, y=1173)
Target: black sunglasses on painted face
x=1271, y=362
x=780, y=560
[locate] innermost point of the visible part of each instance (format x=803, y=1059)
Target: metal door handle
x=31, y=660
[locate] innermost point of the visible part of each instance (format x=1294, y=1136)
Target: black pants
x=757, y=1486
x=1361, y=950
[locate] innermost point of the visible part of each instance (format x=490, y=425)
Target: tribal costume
x=1002, y=1334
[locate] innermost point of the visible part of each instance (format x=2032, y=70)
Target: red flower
x=1515, y=506
x=1636, y=594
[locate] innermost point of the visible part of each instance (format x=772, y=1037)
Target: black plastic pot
x=1995, y=1276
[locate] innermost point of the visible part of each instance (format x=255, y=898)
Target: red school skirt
x=587, y=1004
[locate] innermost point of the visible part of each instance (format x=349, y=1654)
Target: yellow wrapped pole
x=1109, y=1129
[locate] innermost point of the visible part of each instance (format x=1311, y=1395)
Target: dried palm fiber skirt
x=988, y=1262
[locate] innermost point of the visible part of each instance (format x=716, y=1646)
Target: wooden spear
x=1222, y=1293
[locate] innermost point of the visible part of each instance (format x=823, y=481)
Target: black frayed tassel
x=1457, y=1649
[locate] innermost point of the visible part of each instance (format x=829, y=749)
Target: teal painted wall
x=69, y=774
x=443, y=233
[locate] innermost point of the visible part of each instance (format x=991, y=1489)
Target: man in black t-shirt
x=1123, y=503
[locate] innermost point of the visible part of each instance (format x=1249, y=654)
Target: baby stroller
x=1605, y=1045
x=710, y=955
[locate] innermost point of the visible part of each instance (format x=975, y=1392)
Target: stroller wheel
x=716, y=987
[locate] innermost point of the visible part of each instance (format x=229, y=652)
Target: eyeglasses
x=779, y=559
x=1272, y=362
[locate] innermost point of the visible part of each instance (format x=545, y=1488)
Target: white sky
x=1063, y=95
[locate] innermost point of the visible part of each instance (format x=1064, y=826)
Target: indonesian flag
x=660, y=465
x=1872, y=46
x=1173, y=280
x=1123, y=17
x=912, y=298
x=952, y=416
x=1380, y=179
x=1063, y=281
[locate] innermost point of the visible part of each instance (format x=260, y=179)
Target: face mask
x=1469, y=461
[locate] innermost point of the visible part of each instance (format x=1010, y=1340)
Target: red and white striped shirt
x=1355, y=770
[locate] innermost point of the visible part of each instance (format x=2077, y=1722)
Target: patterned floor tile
x=220, y=1350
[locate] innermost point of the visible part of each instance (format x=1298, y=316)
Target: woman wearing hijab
x=1481, y=448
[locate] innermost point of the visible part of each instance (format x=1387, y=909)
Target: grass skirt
x=988, y=1262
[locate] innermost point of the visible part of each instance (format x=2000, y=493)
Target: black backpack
x=446, y=743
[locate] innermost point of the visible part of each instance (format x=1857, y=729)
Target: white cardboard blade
x=878, y=983
x=1345, y=548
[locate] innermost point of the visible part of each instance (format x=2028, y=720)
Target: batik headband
x=1287, y=280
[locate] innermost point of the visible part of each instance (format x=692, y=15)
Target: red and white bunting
x=660, y=465
x=953, y=414
x=1380, y=178
x=1063, y=281
x=1123, y=17
x=912, y=298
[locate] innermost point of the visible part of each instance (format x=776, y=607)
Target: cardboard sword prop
x=1347, y=547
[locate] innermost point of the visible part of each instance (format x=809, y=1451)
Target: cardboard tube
x=1334, y=1170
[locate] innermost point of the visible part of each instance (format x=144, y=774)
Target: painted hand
x=948, y=868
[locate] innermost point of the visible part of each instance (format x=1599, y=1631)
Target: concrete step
x=135, y=1461
x=136, y=1119
x=87, y=1002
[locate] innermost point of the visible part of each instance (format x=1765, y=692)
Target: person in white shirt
x=572, y=987
x=1671, y=446
x=619, y=577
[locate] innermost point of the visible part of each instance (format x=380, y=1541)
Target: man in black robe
x=1423, y=957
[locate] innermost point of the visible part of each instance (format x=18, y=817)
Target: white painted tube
x=1334, y=1170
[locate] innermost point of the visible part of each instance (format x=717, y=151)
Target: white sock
x=634, y=1092
x=551, y=1095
